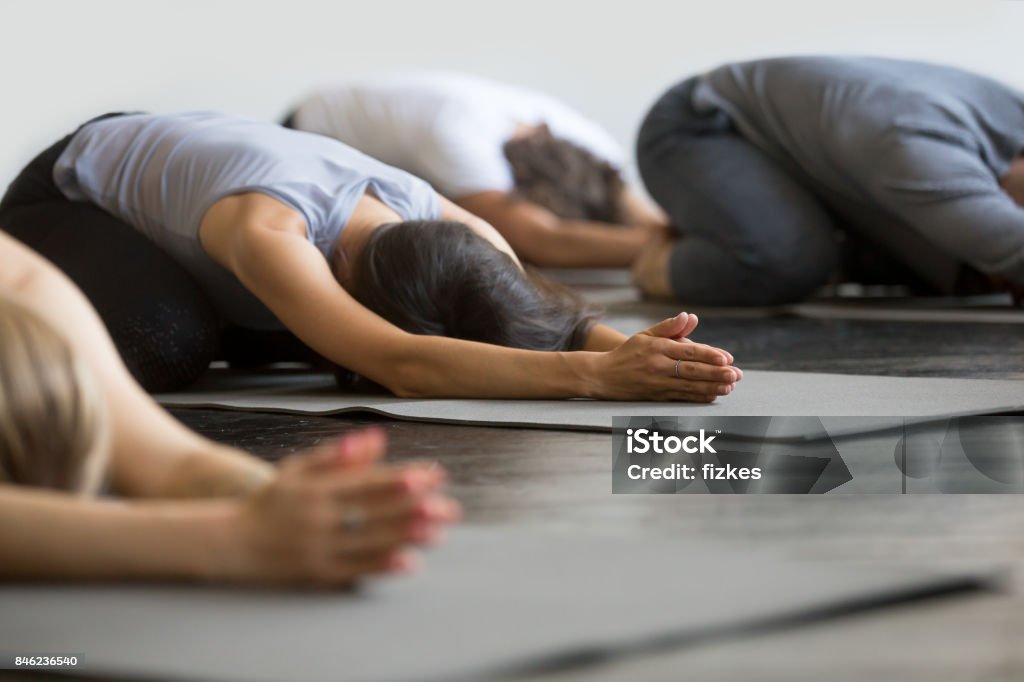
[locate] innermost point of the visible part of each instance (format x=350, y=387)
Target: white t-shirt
x=446, y=128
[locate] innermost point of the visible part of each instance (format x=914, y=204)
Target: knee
x=762, y=286
x=775, y=288
x=796, y=274
x=703, y=273
x=772, y=277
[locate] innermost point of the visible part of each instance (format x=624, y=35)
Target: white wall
x=65, y=61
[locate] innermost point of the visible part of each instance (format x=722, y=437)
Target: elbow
x=409, y=378
x=409, y=391
x=405, y=364
x=26, y=279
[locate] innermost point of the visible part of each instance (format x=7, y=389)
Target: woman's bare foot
x=650, y=269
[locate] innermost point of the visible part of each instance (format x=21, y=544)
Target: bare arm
x=286, y=533
x=59, y=536
x=638, y=210
x=604, y=338
x=264, y=245
x=546, y=240
x=152, y=455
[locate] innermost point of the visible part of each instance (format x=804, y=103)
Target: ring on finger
x=353, y=518
x=677, y=368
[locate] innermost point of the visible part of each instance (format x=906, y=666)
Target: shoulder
x=20, y=264
x=252, y=213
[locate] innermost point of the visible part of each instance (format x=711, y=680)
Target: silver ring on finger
x=677, y=368
x=353, y=518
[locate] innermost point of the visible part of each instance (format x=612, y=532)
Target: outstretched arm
x=546, y=240
x=290, y=532
x=639, y=210
x=152, y=455
x=266, y=248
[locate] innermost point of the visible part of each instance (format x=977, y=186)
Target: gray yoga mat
x=613, y=290
x=880, y=402
x=491, y=601
x=626, y=311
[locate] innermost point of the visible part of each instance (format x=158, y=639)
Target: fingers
x=415, y=480
x=691, y=323
x=389, y=515
x=435, y=509
x=727, y=354
x=675, y=328
x=335, y=515
x=669, y=328
x=349, y=570
x=688, y=397
x=700, y=371
x=691, y=391
x=699, y=387
x=352, y=450
x=362, y=448
x=688, y=328
x=386, y=534
x=693, y=352
x=662, y=364
x=389, y=527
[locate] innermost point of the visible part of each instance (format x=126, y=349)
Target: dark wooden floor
x=562, y=479
x=982, y=351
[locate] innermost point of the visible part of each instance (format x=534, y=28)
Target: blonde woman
x=71, y=416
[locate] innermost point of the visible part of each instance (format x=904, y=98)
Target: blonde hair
x=53, y=421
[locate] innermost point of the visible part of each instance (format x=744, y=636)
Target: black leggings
x=164, y=326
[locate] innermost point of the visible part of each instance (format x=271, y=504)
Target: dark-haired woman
x=201, y=235
x=545, y=176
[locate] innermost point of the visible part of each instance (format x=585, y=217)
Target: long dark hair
x=564, y=178
x=442, y=279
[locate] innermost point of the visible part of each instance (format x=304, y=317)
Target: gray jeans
x=756, y=232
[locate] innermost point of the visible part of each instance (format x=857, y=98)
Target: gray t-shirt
x=924, y=142
x=161, y=173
